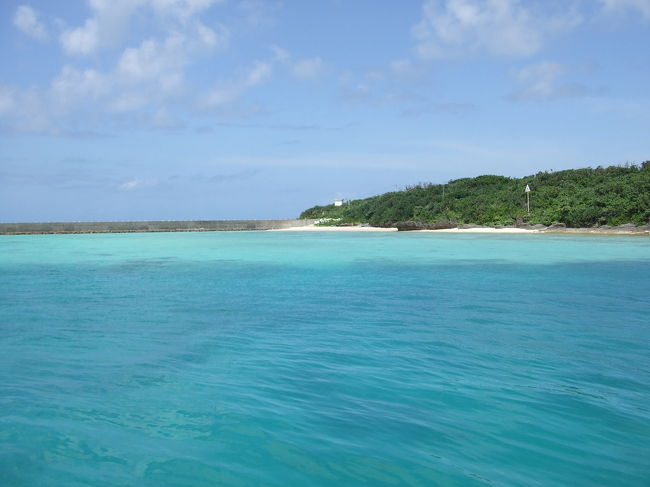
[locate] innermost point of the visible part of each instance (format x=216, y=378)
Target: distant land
x=614, y=199
x=575, y=198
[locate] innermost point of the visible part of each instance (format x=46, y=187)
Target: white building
x=338, y=202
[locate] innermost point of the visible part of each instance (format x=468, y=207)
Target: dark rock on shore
x=419, y=225
x=625, y=229
x=557, y=226
x=411, y=225
x=528, y=226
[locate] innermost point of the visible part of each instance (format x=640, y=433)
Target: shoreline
x=348, y=228
x=483, y=230
x=74, y=228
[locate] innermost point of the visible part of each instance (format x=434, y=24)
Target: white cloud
x=221, y=94
x=129, y=101
x=280, y=54
x=6, y=99
x=144, y=78
x=225, y=93
x=308, y=68
x=375, y=75
x=182, y=9
x=147, y=74
x=161, y=118
x=407, y=71
x=453, y=28
x=401, y=66
x=104, y=28
x=82, y=40
x=137, y=183
x=260, y=72
x=541, y=82
x=110, y=18
x=72, y=87
x=42, y=110
x=170, y=83
x=643, y=6
x=151, y=59
x=259, y=12
x=24, y=111
x=26, y=19
x=210, y=38
x=303, y=69
x=156, y=69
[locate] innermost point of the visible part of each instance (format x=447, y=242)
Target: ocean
x=324, y=359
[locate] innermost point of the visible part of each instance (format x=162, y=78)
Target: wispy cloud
x=308, y=68
x=257, y=13
x=6, y=99
x=109, y=20
x=60, y=174
x=542, y=82
x=259, y=73
x=226, y=92
x=640, y=6
x=27, y=20
x=403, y=85
x=433, y=108
x=303, y=69
x=81, y=40
x=508, y=28
x=144, y=77
x=144, y=80
x=73, y=86
x=104, y=28
x=137, y=184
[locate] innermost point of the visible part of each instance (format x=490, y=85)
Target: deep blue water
x=324, y=359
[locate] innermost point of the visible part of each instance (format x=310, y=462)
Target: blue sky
x=191, y=109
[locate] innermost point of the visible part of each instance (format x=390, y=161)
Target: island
x=614, y=199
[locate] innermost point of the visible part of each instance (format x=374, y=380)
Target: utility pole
x=528, y=198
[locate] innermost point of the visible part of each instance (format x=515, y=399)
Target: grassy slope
x=576, y=197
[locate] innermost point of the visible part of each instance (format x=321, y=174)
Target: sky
x=238, y=109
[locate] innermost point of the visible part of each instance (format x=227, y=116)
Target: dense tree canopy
x=576, y=197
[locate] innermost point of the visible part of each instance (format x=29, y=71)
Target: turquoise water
x=324, y=359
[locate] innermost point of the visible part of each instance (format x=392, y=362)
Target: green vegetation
x=578, y=198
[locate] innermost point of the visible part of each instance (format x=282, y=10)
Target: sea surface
x=324, y=359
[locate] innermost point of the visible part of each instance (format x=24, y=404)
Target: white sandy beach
x=481, y=230
x=314, y=228
x=359, y=228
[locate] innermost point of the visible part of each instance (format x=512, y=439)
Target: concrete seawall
x=148, y=226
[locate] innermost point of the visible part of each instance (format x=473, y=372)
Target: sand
x=314, y=228
x=506, y=230
x=359, y=228
x=482, y=230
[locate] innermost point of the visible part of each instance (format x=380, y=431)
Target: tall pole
x=528, y=202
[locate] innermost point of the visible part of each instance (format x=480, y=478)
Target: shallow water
x=263, y=358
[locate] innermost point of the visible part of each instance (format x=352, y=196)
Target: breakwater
x=148, y=226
